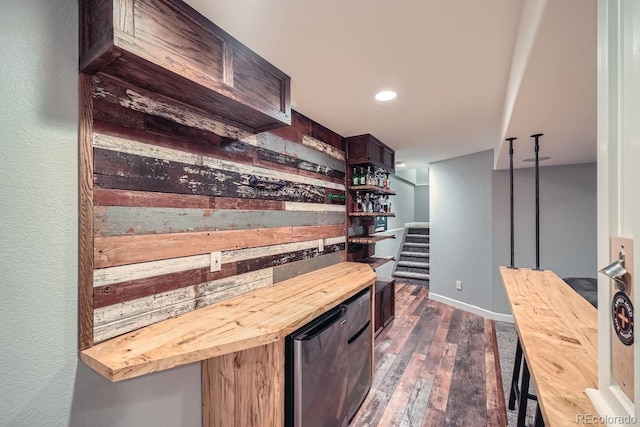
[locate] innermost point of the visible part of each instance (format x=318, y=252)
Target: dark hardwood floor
x=435, y=366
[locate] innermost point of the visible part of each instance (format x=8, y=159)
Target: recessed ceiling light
x=401, y=164
x=385, y=95
x=533, y=159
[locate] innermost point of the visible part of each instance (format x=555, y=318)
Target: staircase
x=413, y=257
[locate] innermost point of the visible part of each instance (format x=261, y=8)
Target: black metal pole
x=511, y=198
x=537, y=149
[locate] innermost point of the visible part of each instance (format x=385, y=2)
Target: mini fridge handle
x=323, y=323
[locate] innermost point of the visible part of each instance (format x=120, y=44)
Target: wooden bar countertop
x=559, y=335
x=257, y=318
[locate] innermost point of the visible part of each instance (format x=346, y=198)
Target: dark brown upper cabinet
x=168, y=47
x=367, y=149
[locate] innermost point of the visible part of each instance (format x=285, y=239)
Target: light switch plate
x=216, y=261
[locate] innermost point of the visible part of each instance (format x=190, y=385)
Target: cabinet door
x=388, y=303
x=377, y=315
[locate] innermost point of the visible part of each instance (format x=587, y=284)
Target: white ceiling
x=468, y=73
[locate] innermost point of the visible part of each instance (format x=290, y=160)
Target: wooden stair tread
x=256, y=318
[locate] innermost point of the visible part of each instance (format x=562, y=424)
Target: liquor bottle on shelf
x=357, y=204
x=363, y=177
x=385, y=179
x=368, y=179
x=355, y=178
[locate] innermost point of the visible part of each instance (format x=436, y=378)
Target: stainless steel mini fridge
x=316, y=367
x=328, y=366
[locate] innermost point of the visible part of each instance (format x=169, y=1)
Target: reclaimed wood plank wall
x=171, y=184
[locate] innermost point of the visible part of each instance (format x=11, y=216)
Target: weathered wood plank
x=276, y=144
x=158, y=105
x=108, y=117
x=282, y=259
x=310, y=207
x=118, y=292
x=131, y=172
x=164, y=133
x=322, y=231
x=296, y=163
x=107, y=197
x=323, y=147
x=250, y=253
x=126, y=273
x=201, y=143
x=85, y=131
x=120, y=250
x=122, y=273
x=117, y=220
x=251, y=152
x=131, y=315
x=141, y=149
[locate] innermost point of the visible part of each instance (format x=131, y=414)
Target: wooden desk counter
x=559, y=336
x=255, y=319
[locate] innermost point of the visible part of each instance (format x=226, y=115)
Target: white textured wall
x=42, y=382
x=460, y=222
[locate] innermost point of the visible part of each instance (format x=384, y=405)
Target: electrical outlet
x=216, y=261
x=321, y=245
x=459, y=285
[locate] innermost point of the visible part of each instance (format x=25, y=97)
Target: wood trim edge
x=85, y=230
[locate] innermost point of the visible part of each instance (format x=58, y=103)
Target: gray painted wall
x=568, y=221
x=421, y=207
x=43, y=382
x=403, y=206
x=461, y=239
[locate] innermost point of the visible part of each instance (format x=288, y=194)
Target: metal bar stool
x=520, y=390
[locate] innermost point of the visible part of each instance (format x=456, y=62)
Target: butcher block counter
x=559, y=335
x=240, y=342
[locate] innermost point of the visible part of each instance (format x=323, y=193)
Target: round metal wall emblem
x=622, y=311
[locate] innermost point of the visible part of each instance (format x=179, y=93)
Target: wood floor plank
x=438, y=343
x=398, y=403
x=435, y=366
x=467, y=396
x=406, y=326
x=435, y=413
x=496, y=409
x=421, y=294
x=417, y=404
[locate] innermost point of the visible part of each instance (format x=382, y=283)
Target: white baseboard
x=500, y=317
